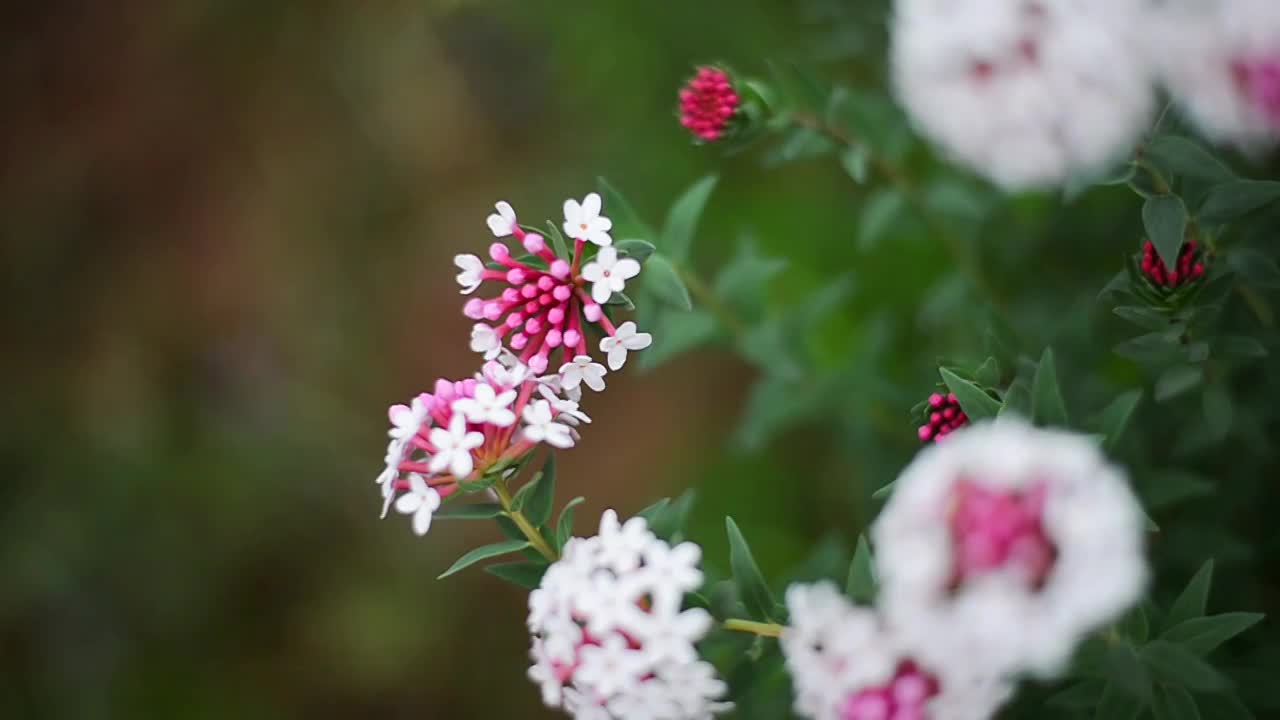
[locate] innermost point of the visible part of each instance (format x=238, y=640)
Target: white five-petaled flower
x=503, y=222
x=406, y=420
x=420, y=502
x=584, y=222
x=609, y=274
x=624, y=339
x=582, y=370
x=453, y=447
x=485, y=340
x=391, y=471
x=540, y=426
x=487, y=406
x=472, y=272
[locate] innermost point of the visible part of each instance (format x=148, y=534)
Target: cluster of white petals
x=610, y=639
x=1025, y=92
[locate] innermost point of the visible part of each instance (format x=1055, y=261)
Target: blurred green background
x=227, y=231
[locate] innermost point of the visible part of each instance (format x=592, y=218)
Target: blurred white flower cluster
x=1030, y=93
x=610, y=639
x=999, y=551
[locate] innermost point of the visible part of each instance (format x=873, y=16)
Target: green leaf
x=878, y=215
x=1084, y=694
x=856, y=161
x=1126, y=670
x=542, y=497
x=1165, y=219
x=1134, y=625
x=677, y=333
x=1175, y=486
x=671, y=519
x=975, y=402
x=484, y=553
x=482, y=483
x=1176, y=664
x=661, y=278
x=626, y=223
x=1201, y=635
x=1177, y=380
x=1239, y=347
x=1017, y=400
x=1117, y=704
x=1172, y=702
x=1143, y=317
x=522, y=495
x=1047, y=406
x=1224, y=706
x=745, y=275
x=884, y=491
x=527, y=575
x=468, y=511
x=1255, y=267
x=651, y=512
x=1186, y=158
x=746, y=575
x=635, y=248
x=682, y=220
x=988, y=373
x=564, y=526
x=1114, y=418
x=1237, y=198
x=558, y=243
x=1193, y=600
x=861, y=585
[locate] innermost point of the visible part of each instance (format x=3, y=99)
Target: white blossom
x=624, y=339
x=485, y=340
x=999, y=616
x=503, y=222
x=540, y=426
x=582, y=370
x=487, y=405
x=584, y=221
x=1025, y=92
x=609, y=641
x=406, y=420
x=472, y=272
x=453, y=447
x=609, y=274
x=420, y=502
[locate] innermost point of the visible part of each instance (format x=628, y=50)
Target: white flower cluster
x=997, y=553
x=609, y=637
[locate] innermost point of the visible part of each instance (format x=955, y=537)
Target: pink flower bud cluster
x=707, y=103
x=991, y=530
x=945, y=416
x=1188, y=268
x=903, y=698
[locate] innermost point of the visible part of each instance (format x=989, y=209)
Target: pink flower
x=707, y=103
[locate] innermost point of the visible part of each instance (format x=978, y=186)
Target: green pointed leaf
x=676, y=333
x=662, y=279
x=626, y=223
x=1114, y=418
x=1239, y=347
x=1177, y=380
x=482, y=483
x=1143, y=317
x=542, y=497
x=988, y=373
x=670, y=521
x=564, y=526
x=682, y=220
x=1165, y=219
x=1172, y=702
x=522, y=495
x=484, y=553
x=861, y=585
x=635, y=248
x=1017, y=400
x=1134, y=625
x=469, y=511
x=975, y=402
x=558, y=243
x=1176, y=664
x=1235, y=199
x=1117, y=704
x=1084, y=694
x=878, y=215
x=746, y=575
x=1203, y=634
x=1125, y=669
x=527, y=575
x=856, y=161
x=1186, y=158
x=1224, y=706
x=1047, y=406
x=1193, y=600
x=653, y=511
x=884, y=491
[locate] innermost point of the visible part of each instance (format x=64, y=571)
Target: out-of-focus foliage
x=226, y=231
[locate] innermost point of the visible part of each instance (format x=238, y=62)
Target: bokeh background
x=227, y=230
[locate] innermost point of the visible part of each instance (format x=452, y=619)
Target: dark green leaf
x=1255, y=267
x=1237, y=198
x=1194, y=598
x=856, y=161
x=1119, y=283
x=661, y=278
x=682, y=220
x=1223, y=706
x=746, y=575
x=527, y=575
x=541, y=499
x=1186, y=158
x=1175, y=486
x=1084, y=694
x=878, y=215
x=671, y=519
x=1117, y=704
x=1177, y=380
x=975, y=402
x=484, y=553
x=1047, y=406
x=651, y=512
x=1114, y=418
x=522, y=495
x=481, y=483
x=1239, y=347
x=558, y=244
x=1201, y=635
x=1219, y=411
x=1165, y=219
x=564, y=526
x=1176, y=664
x=1172, y=702
x=1134, y=625
x=676, y=333
x=470, y=511
x=745, y=275
x=626, y=223
x=1017, y=400
x=1143, y=317
x=1126, y=670
x=861, y=585
x=1152, y=347
x=883, y=491
x=634, y=248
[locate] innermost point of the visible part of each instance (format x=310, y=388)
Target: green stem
x=535, y=538
x=762, y=629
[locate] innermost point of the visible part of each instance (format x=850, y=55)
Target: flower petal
x=617, y=357
x=626, y=268
x=591, y=205
x=601, y=292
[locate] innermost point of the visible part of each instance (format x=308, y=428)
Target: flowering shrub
x=1015, y=565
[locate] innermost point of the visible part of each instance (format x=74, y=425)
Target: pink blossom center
x=1258, y=79
x=993, y=529
x=902, y=698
